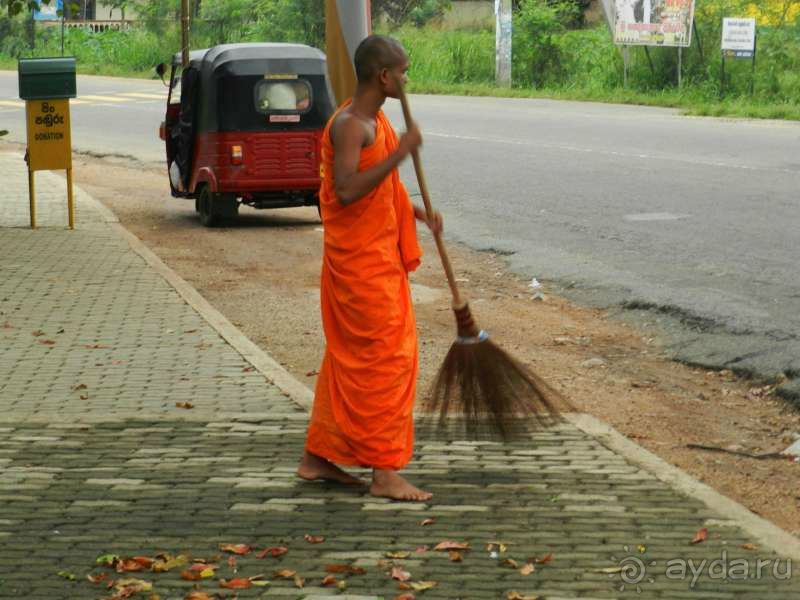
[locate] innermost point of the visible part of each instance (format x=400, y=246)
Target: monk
x=364, y=399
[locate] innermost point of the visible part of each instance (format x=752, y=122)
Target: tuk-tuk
x=244, y=125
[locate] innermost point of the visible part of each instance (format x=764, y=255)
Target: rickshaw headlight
x=237, y=157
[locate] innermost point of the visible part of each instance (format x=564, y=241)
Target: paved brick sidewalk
x=116, y=467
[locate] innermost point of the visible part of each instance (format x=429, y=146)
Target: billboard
x=653, y=22
x=49, y=12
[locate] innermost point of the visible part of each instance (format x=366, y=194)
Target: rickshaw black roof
x=247, y=60
x=257, y=59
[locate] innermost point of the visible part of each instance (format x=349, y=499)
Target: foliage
x=415, y=12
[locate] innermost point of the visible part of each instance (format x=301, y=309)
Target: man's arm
x=348, y=139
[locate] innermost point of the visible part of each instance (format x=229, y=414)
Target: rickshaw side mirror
x=161, y=70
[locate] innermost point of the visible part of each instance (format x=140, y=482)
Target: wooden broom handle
x=423, y=188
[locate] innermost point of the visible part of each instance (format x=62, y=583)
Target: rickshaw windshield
x=283, y=96
x=256, y=103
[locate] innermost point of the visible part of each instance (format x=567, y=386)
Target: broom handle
x=423, y=188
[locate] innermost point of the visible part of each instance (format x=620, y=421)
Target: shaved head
x=377, y=52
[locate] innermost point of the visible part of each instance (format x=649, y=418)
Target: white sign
x=739, y=35
x=653, y=22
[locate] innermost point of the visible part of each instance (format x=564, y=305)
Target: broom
x=480, y=391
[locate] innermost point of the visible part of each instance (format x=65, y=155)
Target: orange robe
x=363, y=405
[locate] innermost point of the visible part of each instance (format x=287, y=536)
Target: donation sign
x=738, y=38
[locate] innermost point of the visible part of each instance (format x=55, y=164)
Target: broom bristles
x=481, y=392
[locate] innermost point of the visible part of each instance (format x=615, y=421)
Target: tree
x=418, y=12
x=17, y=6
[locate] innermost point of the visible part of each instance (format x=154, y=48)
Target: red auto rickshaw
x=244, y=125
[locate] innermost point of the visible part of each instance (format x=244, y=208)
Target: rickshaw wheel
x=214, y=207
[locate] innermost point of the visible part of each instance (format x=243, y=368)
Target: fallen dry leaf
x=129, y=565
x=509, y=562
x=313, y=539
x=421, y=549
x=404, y=597
x=285, y=573
x=199, y=571
x=248, y=369
x=299, y=581
x=349, y=569
x=399, y=574
x=542, y=561
x=700, y=536
x=232, y=563
x=239, y=549
x=449, y=545
x=427, y=522
x=184, y=405
x=137, y=585
x=275, y=551
x=527, y=569
x=80, y=386
x=421, y=586
x=239, y=583
x=166, y=562
x=47, y=342
x=748, y=547
x=401, y=554
x=455, y=555
x=312, y=373
x=96, y=346
x=196, y=595
x=145, y=561
x=97, y=578
x=66, y=575
x=84, y=396
x=329, y=580
x=610, y=570
x=37, y=333
x=518, y=596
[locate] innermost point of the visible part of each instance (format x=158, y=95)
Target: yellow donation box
x=46, y=84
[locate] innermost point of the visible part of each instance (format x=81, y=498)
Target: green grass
x=685, y=102
x=462, y=63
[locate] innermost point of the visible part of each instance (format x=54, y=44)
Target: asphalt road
x=691, y=225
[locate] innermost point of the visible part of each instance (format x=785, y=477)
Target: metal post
x=185, y=33
x=70, y=203
x=625, y=60
x=650, y=61
x=32, y=198
x=503, y=43
x=680, y=65
x=722, y=77
x=63, y=18
x=700, y=45
x=753, y=67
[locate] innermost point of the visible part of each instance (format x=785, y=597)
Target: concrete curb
x=767, y=534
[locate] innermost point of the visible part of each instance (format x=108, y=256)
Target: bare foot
x=389, y=484
x=313, y=467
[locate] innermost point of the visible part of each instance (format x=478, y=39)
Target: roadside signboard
x=738, y=38
x=653, y=22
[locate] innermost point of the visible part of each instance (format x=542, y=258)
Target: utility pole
x=184, y=33
x=502, y=9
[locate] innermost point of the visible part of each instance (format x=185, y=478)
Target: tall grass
x=580, y=64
